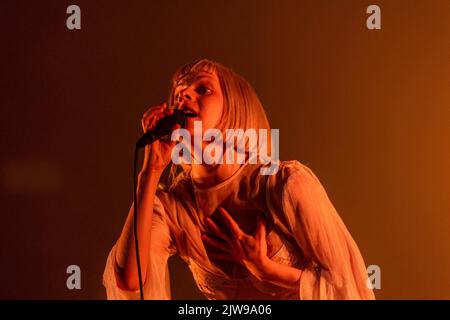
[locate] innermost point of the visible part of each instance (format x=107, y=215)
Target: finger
x=146, y=124
x=261, y=231
x=169, y=111
x=154, y=110
x=147, y=120
x=156, y=115
x=153, y=121
x=215, y=243
x=232, y=225
x=214, y=228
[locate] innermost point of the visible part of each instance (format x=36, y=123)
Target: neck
x=206, y=176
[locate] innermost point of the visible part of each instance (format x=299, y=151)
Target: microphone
x=164, y=127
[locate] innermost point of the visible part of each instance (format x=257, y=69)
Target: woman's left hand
x=237, y=246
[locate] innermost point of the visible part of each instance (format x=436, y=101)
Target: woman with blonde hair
x=243, y=234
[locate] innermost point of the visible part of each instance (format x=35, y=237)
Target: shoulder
x=293, y=173
x=290, y=176
x=295, y=184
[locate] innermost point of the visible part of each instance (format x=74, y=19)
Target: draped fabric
x=304, y=231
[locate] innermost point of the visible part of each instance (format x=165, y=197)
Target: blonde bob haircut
x=242, y=108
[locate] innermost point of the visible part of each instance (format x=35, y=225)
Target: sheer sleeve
x=157, y=284
x=336, y=268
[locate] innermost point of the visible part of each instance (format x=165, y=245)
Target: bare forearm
x=126, y=266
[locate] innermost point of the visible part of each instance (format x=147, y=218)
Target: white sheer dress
x=304, y=231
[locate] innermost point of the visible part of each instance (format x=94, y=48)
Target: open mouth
x=190, y=113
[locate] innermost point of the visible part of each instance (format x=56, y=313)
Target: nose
x=184, y=95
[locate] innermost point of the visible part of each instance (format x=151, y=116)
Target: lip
x=191, y=119
x=191, y=110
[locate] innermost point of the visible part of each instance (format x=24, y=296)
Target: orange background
x=368, y=111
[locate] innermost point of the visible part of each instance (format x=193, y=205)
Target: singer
x=243, y=235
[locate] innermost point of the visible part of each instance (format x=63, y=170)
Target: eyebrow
x=183, y=83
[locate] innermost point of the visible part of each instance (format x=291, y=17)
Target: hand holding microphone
x=158, y=123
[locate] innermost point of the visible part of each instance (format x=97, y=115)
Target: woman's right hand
x=158, y=154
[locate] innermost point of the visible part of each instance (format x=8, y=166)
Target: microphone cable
x=135, y=216
x=162, y=129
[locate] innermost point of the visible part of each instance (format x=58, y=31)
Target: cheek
x=212, y=112
x=220, y=108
